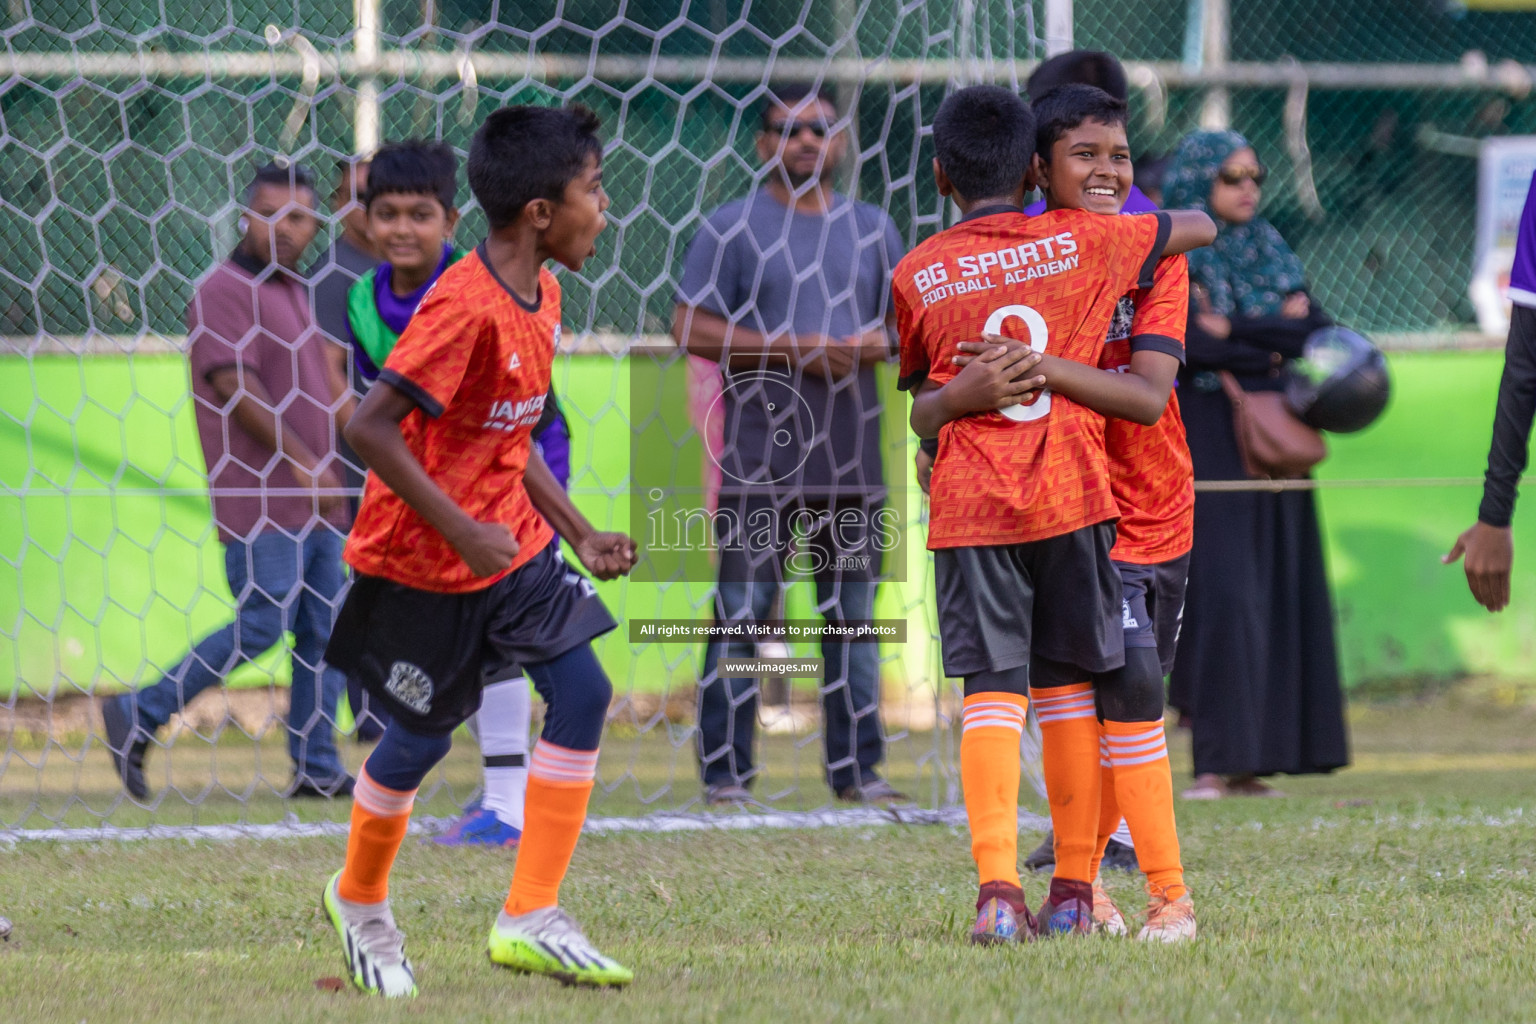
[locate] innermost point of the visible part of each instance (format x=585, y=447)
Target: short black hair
x=1080, y=67
x=290, y=175
x=784, y=97
x=984, y=136
x=525, y=153
x=1068, y=106
x=414, y=167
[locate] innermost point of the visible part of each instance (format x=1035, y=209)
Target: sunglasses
x=1239, y=175
x=789, y=129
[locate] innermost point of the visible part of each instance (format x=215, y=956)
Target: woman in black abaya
x=1257, y=672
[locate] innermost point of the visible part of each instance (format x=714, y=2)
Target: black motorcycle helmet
x=1341, y=383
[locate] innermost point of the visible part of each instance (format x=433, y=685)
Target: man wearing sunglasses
x=788, y=290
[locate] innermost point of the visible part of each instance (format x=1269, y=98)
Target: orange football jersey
x=477, y=362
x=1053, y=281
x=1150, y=472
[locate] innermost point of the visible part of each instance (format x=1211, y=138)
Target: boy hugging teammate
x=1083, y=163
x=1022, y=509
x=456, y=574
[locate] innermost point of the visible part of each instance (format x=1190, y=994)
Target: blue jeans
x=281, y=584
x=850, y=692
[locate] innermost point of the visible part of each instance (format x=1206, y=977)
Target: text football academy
x=1018, y=264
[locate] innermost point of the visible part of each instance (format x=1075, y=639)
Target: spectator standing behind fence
x=351, y=256
x=789, y=291
x=267, y=404
x=331, y=276
x=1257, y=671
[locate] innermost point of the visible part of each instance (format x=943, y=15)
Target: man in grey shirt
x=788, y=289
x=349, y=258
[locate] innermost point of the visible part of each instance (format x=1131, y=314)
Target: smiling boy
x=411, y=209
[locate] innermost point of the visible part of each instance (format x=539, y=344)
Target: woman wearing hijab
x=1257, y=673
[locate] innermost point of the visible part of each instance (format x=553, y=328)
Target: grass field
x=1400, y=889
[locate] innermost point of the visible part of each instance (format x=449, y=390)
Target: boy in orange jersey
x=456, y=574
x=1021, y=516
x=1083, y=162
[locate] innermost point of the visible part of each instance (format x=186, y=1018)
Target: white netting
x=129, y=130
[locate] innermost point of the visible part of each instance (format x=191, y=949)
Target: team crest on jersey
x=410, y=686
x=1125, y=316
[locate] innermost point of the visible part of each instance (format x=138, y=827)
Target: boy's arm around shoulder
x=1188, y=229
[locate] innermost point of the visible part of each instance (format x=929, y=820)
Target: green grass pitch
x=1400, y=889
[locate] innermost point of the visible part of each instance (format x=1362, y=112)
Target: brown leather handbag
x=1274, y=444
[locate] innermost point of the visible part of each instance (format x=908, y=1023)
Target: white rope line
x=438, y=65
x=147, y=342
x=1308, y=484
x=676, y=822
x=853, y=817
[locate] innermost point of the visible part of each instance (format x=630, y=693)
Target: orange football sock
x=1069, y=736
x=1109, y=807
x=554, y=809
x=991, y=726
x=1143, y=781
x=379, y=818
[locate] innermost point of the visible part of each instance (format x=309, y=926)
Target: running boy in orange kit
x=456, y=575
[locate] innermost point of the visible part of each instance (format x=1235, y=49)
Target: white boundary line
x=670, y=822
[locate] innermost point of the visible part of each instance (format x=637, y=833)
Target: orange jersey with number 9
x=1052, y=281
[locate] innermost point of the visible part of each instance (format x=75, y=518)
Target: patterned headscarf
x=1249, y=270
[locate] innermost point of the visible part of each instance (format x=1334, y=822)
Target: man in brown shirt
x=268, y=402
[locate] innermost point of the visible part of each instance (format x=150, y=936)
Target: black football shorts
x=426, y=656
x=1153, y=610
x=1004, y=606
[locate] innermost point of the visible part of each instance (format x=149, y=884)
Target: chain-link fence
x=127, y=130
